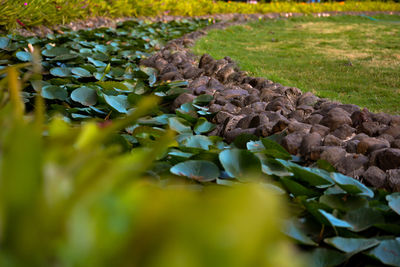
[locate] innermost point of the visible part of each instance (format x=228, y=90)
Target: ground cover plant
x=352, y=59
x=24, y=13
x=89, y=192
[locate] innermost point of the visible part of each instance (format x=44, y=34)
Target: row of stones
x=356, y=142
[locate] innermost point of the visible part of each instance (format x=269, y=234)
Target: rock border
x=358, y=143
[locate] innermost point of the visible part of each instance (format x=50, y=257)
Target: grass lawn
x=351, y=59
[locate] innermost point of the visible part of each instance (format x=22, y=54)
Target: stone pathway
x=356, y=142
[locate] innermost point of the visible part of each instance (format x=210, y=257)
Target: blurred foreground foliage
x=22, y=13
x=70, y=197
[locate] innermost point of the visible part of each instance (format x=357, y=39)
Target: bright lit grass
x=49, y=12
x=350, y=59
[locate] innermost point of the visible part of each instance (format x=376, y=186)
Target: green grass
x=313, y=54
x=14, y=13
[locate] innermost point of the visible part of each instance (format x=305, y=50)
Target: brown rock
x=215, y=108
x=351, y=164
x=250, y=121
x=259, y=107
x=228, y=107
x=359, y=117
x=171, y=76
x=351, y=146
x=231, y=135
x=201, y=81
x=222, y=116
x=381, y=118
x=386, y=137
x=333, y=154
x=335, y=118
x=231, y=123
x=393, y=131
x=182, y=99
x=370, y=128
x=375, y=177
x=192, y=73
x=307, y=99
x=295, y=126
x=234, y=93
x=386, y=159
x=215, y=84
x=318, y=128
x=396, y=143
x=314, y=119
x=292, y=142
x=309, y=143
x=250, y=99
x=344, y=131
x=393, y=179
x=331, y=140
x=367, y=145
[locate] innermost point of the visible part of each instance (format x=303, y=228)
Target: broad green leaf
x=85, y=96
x=64, y=57
x=152, y=74
x=202, y=100
x=351, y=185
x=322, y=257
x=199, y=170
x=60, y=72
x=119, y=102
x=203, y=126
x=325, y=165
x=363, y=218
x=255, y=146
x=238, y=163
x=311, y=176
x=112, y=85
x=351, y=245
x=81, y=72
x=344, y=203
x=388, y=252
x=198, y=141
x=97, y=63
x=274, y=149
x=179, y=125
x=335, y=222
x=4, y=41
x=293, y=230
x=55, y=51
x=394, y=202
x=242, y=139
x=297, y=189
x=54, y=92
x=271, y=166
x=147, y=135
x=24, y=56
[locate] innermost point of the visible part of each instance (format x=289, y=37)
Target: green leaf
x=179, y=125
x=238, y=163
x=97, y=63
x=325, y=165
x=312, y=176
x=198, y=141
x=199, y=170
x=297, y=189
x=363, y=218
x=388, y=252
x=271, y=166
x=351, y=185
x=81, y=72
x=255, y=146
x=293, y=230
x=344, y=203
x=351, y=245
x=112, y=86
x=274, y=149
x=55, y=51
x=147, y=135
x=394, y=202
x=24, y=56
x=335, y=222
x=119, y=103
x=54, y=92
x=203, y=126
x=203, y=100
x=322, y=257
x=64, y=57
x=60, y=72
x=152, y=74
x=85, y=96
x=4, y=42
x=242, y=139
